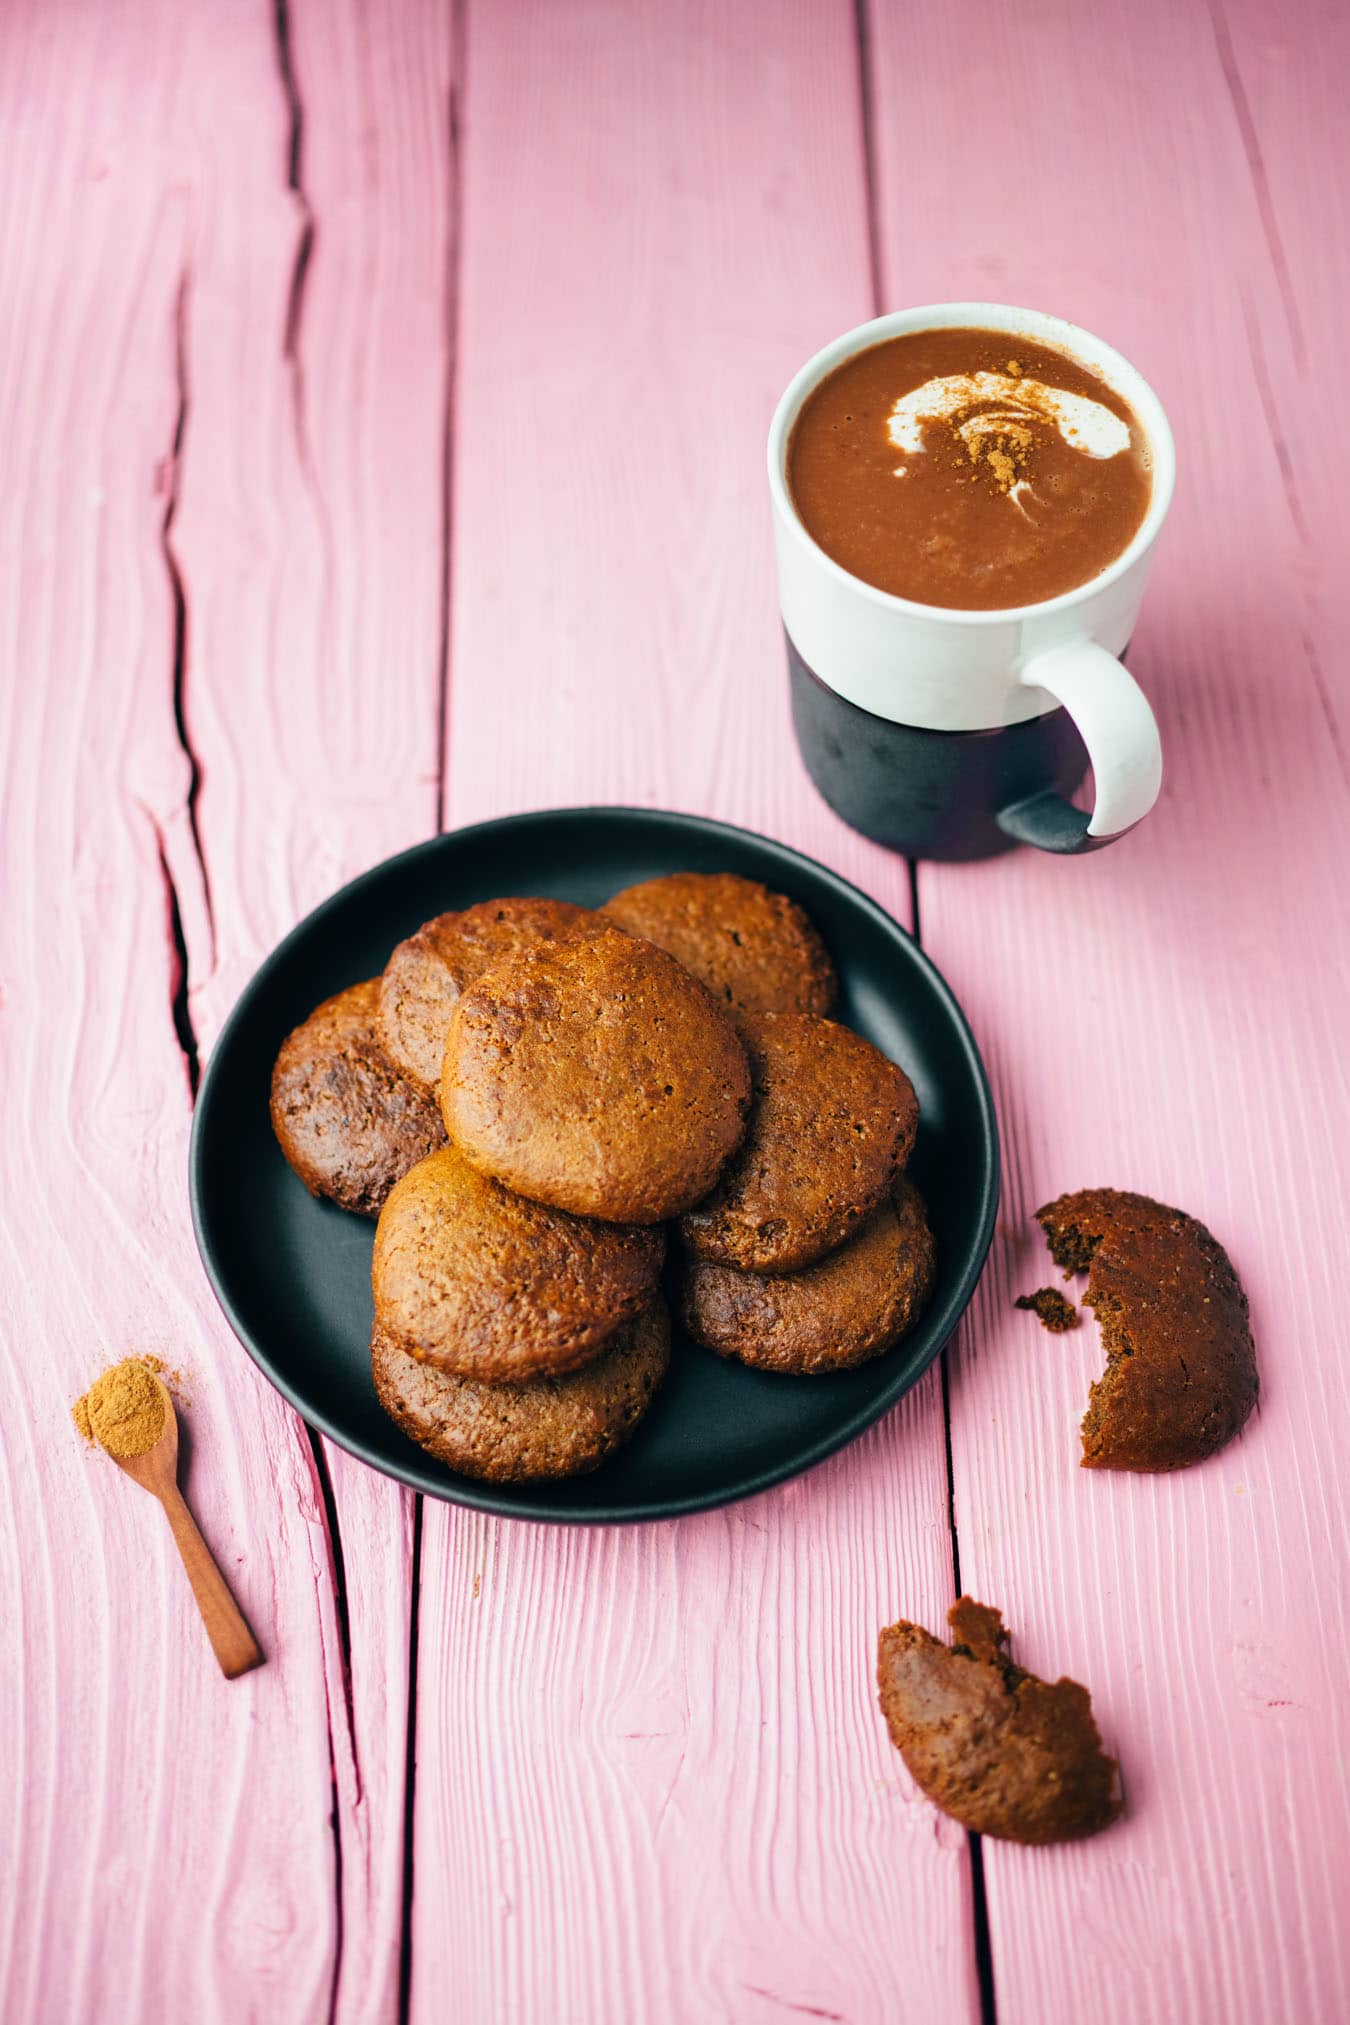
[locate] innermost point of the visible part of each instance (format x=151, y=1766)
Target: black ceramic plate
x=293, y=1275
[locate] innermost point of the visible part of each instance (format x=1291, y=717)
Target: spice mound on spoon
x=129, y=1413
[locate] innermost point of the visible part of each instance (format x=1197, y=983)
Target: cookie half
x=597, y=1076
x=549, y=1428
x=755, y=949
x=849, y=1307
x=349, y=1124
x=832, y=1123
x=487, y=1285
x=427, y=974
x=1180, y=1376
x=999, y=1750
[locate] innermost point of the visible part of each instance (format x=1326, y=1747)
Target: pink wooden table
x=382, y=390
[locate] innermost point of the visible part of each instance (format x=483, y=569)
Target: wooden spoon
x=156, y=1471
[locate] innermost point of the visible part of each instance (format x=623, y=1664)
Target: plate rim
x=488, y=1497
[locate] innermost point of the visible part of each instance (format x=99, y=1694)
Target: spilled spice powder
x=124, y=1410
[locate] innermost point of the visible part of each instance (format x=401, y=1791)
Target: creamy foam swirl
x=1085, y=425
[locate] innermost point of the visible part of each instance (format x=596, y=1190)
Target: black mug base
x=951, y=795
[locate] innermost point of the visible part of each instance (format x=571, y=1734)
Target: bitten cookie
x=754, y=949
x=847, y=1308
x=346, y=1120
x=1180, y=1376
x=549, y=1428
x=999, y=1750
x=598, y=1076
x=831, y=1124
x=483, y=1284
x=426, y=975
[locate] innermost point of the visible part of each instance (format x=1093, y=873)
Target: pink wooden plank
x=308, y=534
x=166, y=1845
x=651, y=1783
x=1283, y=72
x=1166, y=1016
x=172, y=1854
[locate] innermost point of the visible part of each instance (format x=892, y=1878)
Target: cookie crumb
x=1051, y=1309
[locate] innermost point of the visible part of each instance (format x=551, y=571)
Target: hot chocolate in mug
x=952, y=733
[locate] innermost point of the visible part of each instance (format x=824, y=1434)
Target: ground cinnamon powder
x=1007, y=454
x=124, y=1410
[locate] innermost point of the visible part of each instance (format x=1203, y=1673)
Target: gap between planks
x=981, y=1936
x=454, y=127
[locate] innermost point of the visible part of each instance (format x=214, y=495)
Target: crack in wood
x=335, y=1822
x=304, y=249
x=790, y=2004
x=979, y=1897
x=178, y=974
x=1256, y=168
x=168, y=477
x=410, y=1773
x=1279, y=442
x=341, y=1604
x=1288, y=478
x=454, y=237
x=867, y=129
x=338, y=1576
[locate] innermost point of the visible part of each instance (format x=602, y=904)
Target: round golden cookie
x=598, y=1076
x=550, y=1428
x=346, y=1120
x=484, y=1284
x=832, y=1123
x=754, y=949
x=426, y=975
x=842, y=1311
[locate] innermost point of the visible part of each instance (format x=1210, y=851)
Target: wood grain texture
x=1165, y=1016
x=180, y=1848
x=660, y=1746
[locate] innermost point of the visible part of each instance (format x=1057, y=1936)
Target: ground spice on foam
x=1006, y=454
x=124, y=1410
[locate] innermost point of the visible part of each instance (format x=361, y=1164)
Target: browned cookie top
x=1180, y=1377
x=347, y=1121
x=484, y=1284
x=849, y=1306
x=999, y=1750
x=831, y=1124
x=550, y=1427
x=425, y=976
x=754, y=949
x=597, y=1075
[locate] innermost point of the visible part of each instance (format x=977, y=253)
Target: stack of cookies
x=533, y=1094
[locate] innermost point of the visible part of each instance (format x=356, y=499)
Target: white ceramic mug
x=955, y=734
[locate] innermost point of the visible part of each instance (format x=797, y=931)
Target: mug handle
x=1120, y=732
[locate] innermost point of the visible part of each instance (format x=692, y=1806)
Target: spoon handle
x=231, y=1640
